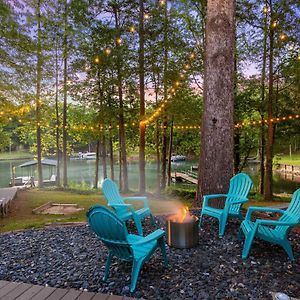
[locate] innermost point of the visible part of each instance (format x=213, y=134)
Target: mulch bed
x=73, y=257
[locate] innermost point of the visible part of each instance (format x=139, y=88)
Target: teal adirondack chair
x=112, y=231
x=239, y=188
x=273, y=231
x=126, y=211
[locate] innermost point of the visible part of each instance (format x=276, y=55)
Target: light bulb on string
x=107, y=51
x=119, y=41
x=265, y=10
x=282, y=37
x=132, y=29
x=274, y=24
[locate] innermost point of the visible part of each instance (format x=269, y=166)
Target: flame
x=184, y=212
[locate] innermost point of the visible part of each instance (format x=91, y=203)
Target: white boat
x=87, y=155
x=176, y=158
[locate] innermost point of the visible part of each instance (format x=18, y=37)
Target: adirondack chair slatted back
x=111, y=192
x=240, y=185
x=112, y=195
x=292, y=214
x=110, y=230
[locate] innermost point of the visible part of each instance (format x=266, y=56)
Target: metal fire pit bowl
x=183, y=235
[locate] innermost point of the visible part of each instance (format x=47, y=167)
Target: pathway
x=25, y=291
x=6, y=196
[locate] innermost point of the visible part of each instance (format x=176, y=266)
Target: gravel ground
x=72, y=257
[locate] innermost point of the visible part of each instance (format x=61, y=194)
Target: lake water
x=82, y=172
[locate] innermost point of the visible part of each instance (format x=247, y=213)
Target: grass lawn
x=21, y=216
x=15, y=155
x=294, y=160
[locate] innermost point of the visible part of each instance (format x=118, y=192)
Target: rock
x=72, y=257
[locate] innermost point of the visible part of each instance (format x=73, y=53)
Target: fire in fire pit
x=182, y=230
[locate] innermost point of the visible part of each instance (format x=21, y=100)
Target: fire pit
x=182, y=230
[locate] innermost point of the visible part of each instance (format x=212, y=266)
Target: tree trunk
x=123, y=166
x=120, y=164
x=216, y=167
x=38, y=98
x=262, y=108
x=65, y=133
x=268, y=193
x=165, y=122
x=57, y=118
x=142, y=177
x=157, y=139
x=104, y=156
x=97, y=164
x=170, y=153
x=111, y=152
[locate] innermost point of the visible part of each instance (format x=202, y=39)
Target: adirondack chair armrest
x=151, y=237
x=275, y=223
x=116, y=206
x=208, y=197
x=138, y=198
x=261, y=209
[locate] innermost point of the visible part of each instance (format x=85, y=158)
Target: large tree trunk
x=65, y=133
x=262, y=108
x=268, y=193
x=216, y=167
x=38, y=98
x=142, y=178
x=123, y=166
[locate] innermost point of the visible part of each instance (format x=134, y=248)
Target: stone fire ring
x=57, y=209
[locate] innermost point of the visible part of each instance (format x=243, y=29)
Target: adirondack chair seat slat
x=124, y=210
x=138, y=251
x=239, y=188
x=111, y=230
x=273, y=231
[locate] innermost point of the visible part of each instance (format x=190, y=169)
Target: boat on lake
x=87, y=155
x=176, y=158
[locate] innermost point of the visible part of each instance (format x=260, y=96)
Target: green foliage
x=5, y=139
x=183, y=192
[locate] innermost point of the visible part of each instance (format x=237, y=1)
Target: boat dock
x=182, y=176
x=6, y=196
x=25, y=291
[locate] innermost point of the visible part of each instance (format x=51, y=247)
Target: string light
x=162, y=2
x=274, y=24
x=119, y=41
x=282, y=37
x=265, y=10
x=107, y=51
x=97, y=60
x=146, y=16
x=132, y=29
